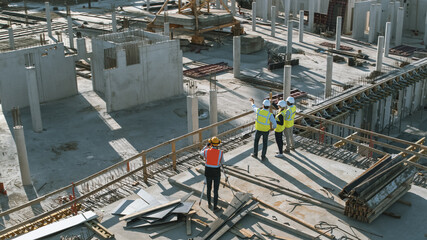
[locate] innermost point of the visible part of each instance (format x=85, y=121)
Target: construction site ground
x=81, y=138
x=301, y=171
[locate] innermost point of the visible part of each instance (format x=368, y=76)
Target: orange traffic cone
x=2, y=190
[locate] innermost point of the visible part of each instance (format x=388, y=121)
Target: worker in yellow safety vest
x=262, y=127
x=213, y=160
x=289, y=124
x=278, y=131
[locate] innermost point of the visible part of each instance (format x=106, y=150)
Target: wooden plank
x=142, y=212
x=236, y=203
x=231, y=222
x=58, y=226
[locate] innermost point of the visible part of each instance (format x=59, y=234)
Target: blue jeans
x=264, y=135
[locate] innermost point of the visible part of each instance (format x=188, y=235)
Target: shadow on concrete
x=31, y=194
x=4, y=204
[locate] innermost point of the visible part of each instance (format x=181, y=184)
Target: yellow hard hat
x=214, y=141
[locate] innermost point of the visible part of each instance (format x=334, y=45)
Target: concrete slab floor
x=300, y=171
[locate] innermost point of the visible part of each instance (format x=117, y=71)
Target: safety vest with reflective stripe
x=262, y=121
x=213, y=157
x=289, y=117
x=280, y=128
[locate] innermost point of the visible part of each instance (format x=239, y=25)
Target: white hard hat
x=291, y=100
x=282, y=103
x=266, y=103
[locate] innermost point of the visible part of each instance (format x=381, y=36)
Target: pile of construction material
x=149, y=211
x=375, y=190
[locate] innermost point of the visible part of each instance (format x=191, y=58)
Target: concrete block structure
x=130, y=68
x=55, y=74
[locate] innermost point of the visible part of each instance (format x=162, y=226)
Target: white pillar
x=392, y=16
x=192, y=117
x=287, y=81
x=394, y=26
x=296, y=7
x=233, y=7
x=425, y=32
x=328, y=77
x=166, y=31
x=253, y=16
x=287, y=11
x=378, y=19
x=399, y=28
x=273, y=21
x=22, y=154
x=114, y=20
x=338, y=33
x=264, y=10
x=301, y=26
x=218, y=4
x=311, y=15
x=33, y=97
x=289, y=41
x=11, y=39
x=147, y=5
x=70, y=31
x=380, y=48
x=213, y=111
x=81, y=48
x=49, y=26
x=236, y=56
x=388, y=28
x=372, y=23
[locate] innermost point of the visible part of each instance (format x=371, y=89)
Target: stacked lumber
x=376, y=189
x=148, y=211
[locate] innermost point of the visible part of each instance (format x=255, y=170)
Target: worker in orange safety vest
x=213, y=160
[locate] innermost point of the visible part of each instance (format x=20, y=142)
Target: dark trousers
x=213, y=175
x=279, y=141
x=264, y=135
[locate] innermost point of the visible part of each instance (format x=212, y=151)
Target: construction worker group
x=265, y=122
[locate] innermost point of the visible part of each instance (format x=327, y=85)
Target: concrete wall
x=156, y=77
x=56, y=75
x=414, y=14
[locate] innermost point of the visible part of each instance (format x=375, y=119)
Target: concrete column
x=233, y=7
x=48, y=20
x=289, y=41
x=328, y=77
x=301, y=26
x=287, y=81
x=425, y=32
x=166, y=29
x=379, y=16
x=380, y=49
x=253, y=16
x=396, y=9
x=236, y=56
x=81, y=48
x=33, y=97
x=387, y=38
x=22, y=154
x=372, y=23
x=121, y=58
x=192, y=117
x=374, y=115
x=166, y=8
x=213, y=111
x=264, y=10
x=387, y=111
x=399, y=27
x=70, y=31
x=296, y=7
x=287, y=11
x=392, y=17
x=218, y=4
x=273, y=21
x=11, y=39
x=338, y=33
x=114, y=20
x=311, y=15
x=148, y=5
